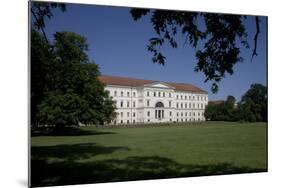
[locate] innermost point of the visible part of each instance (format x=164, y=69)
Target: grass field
x=91, y=155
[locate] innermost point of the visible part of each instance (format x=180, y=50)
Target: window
x=198, y=98
x=148, y=120
x=128, y=104
x=177, y=114
x=121, y=104
x=185, y=97
x=170, y=95
x=177, y=96
x=163, y=94
x=202, y=106
x=148, y=113
x=147, y=103
x=181, y=96
x=185, y=113
x=147, y=93
x=193, y=97
x=121, y=93
x=134, y=121
x=181, y=120
x=159, y=94
x=170, y=119
x=134, y=104
x=170, y=113
x=197, y=105
x=177, y=105
x=189, y=113
x=185, y=105
x=193, y=113
x=181, y=105
x=121, y=114
x=170, y=103
x=134, y=94
x=154, y=94
x=189, y=105
x=114, y=122
x=121, y=121
x=128, y=94
x=128, y=121
x=189, y=97
x=198, y=113
x=193, y=105
x=134, y=114
x=128, y=114
x=185, y=120
x=115, y=93
x=181, y=114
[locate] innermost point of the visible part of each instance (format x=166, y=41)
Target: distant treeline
x=251, y=108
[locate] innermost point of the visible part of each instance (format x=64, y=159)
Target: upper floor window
x=134, y=104
x=134, y=114
x=115, y=93
x=185, y=105
x=170, y=95
x=193, y=97
x=121, y=104
x=170, y=113
x=128, y=94
x=148, y=113
x=170, y=103
x=185, y=97
x=154, y=94
x=147, y=93
x=163, y=94
x=147, y=103
x=159, y=94
x=181, y=105
x=177, y=96
x=189, y=105
x=128, y=114
x=177, y=105
x=121, y=93
x=189, y=97
x=128, y=104
x=121, y=114
x=134, y=94
x=181, y=96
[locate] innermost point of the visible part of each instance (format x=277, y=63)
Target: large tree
x=68, y=86
x=255, y=101
x=220, y=37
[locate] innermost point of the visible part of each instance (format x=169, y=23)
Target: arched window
x=159, y=105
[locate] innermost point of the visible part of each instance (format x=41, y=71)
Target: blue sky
x=118, y=45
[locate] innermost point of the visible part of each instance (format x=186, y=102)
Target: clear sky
x=118, y=45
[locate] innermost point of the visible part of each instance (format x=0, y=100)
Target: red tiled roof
x=133, y=82
x=216, y=102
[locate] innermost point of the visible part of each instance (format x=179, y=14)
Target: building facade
x=148, y=101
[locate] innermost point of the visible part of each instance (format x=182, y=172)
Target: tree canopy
x=222, y=35
x=252, y=107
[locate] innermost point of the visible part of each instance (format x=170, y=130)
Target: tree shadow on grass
x=65, y=131
x=70, y=171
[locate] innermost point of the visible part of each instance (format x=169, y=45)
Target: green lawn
x=91, y=155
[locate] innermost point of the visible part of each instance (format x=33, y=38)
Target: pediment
x=159, y=85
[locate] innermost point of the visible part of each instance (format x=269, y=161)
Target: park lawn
x=93, y=155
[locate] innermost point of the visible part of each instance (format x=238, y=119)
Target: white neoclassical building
x=147, y=101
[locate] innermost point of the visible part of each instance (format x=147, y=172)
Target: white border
x=14, y=104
